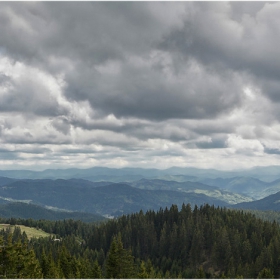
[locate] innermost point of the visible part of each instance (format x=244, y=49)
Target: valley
x=75, y=220
x=107, y=192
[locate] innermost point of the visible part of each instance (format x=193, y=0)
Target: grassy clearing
x=30, y=232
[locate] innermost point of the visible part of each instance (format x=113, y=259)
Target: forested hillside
x=28, y=210
x=205, y=242
x=99, y=197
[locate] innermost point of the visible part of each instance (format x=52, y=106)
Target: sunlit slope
x=30, y=232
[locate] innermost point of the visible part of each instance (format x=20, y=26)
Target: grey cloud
x=218, y=143
x=61, y=124
x=28, y=138
x=123, y=126
x=28, y=96
x=127, y=144
x=231, y=35
x=93, y=32
x=8, y=155
x=4, y=79
x=272, y=151
x=172, y=130
x=271, y=88
x=220, y=126
x=143, y=92
x=75, y=151
x=174, y=76
x=34, y=150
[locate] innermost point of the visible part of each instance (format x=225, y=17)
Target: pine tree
x=8, y=258
x=143, y=274
x=265, y=273
x=53, y=272
x=96, y=270
x=17, y=261
x=65, y=263
x=200, y=274
x=150, y=269
x=31, y=266
x=119, y=263
x=44, y=265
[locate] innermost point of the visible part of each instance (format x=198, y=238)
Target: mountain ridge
x=267, y=173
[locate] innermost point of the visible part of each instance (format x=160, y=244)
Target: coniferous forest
x=198, y=242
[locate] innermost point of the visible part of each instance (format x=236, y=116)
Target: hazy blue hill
x=26, y=211
x=191, y=187
x=18, y=174
x=86, y=196
x=271, y=202
x=101, y=174
x=80, y=189
x=244, y=185
x=197, y=172
x=276, y=182
x=252, y=187
x=126, y=199
x=267, y=174
x=271, y=188
x=93, y=174
x=90, y=184
x=263, y=173
x=113, y=178
x=178, y=178
x=157, y=184
x=4, y=181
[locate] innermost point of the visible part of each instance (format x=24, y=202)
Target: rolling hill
x=112, y=192
x=191, y=187
x=243, y=185
x=84, y=196
x=35, y=212
x=271, y=202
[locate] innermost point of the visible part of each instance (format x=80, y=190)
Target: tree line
x=203, y=242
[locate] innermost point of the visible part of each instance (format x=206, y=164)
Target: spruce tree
x=119, y=263
x=265, y=273
x=96, y=271
x=143, y=274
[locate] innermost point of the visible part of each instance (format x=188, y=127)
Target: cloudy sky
x=142, y=84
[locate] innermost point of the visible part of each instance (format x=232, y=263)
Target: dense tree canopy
x=203, y=242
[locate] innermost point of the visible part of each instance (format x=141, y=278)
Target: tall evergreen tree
x=119, y=263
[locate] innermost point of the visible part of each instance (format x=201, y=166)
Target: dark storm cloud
x=147, y=93
x=89, y=34
x=153, y=78
x=243, y=37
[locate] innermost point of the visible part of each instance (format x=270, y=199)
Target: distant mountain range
x=112, y=192
x=191, y=187
x=248, y=186
x=101, y=198
x=267, y=174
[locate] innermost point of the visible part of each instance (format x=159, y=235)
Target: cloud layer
x=150, y=84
